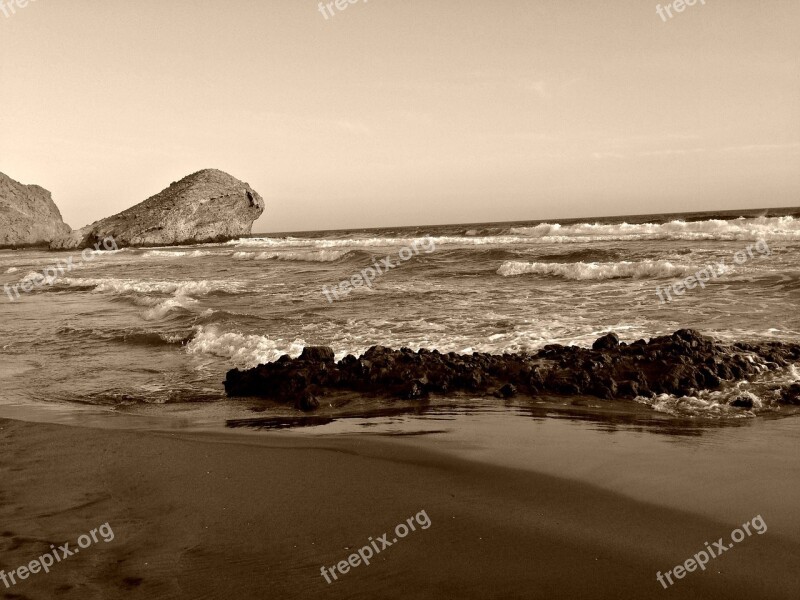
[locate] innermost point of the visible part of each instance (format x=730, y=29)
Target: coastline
x=217, y=515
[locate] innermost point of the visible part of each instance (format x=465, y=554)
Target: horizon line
x=721, y=213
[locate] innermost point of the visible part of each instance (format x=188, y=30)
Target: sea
x=153, y=331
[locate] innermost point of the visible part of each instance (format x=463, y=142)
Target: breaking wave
x=176, y=253
x=244, y=351
x=161, y=308
x=203, y=287
x=296, y=255
x=582, y=271
x=778, y=228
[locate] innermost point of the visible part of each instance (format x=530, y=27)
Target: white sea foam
x=164, y=307
x=104, y=252
x=376, y=242
x=778, y=228
x=708, y=403
x=581, y=271
x=127, y=286
x=12, y=270
x=294, y=255
x=176, y=253
x=38, y=278
x=244, y=351
x=763, y=391
x=692, y=406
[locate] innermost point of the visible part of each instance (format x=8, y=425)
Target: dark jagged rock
x=317, y=353
x=791, y=395
x=307, y=401
x=610, y=340
x=678, y=364
x=507, y=391
x=413, y=390
x=743, y=402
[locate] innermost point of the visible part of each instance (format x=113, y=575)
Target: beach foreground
x=215, y=515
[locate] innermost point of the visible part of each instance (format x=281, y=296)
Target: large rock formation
x=28, y=215
x=207, y=206
x=679, y=364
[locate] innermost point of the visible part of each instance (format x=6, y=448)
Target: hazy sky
x=398, y=112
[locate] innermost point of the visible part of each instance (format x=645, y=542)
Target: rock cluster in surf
x=28, y=215
x=207, y=206
x=678, y=364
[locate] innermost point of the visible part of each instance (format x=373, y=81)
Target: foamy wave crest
x=423, y=243
x=770, y=228
x=295, y=255
x=244, y=351
x=161, y=308
x=695, y=406
x=582, y=271
x=38, y=278
x=202, y=287
x=175, y=253
x=762, y=394
x=12, y=270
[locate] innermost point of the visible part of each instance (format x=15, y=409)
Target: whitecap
x=244, y=351
x=163, y=308
x=200, y=287
x=582, y=271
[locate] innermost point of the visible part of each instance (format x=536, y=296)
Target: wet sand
x=214, y=515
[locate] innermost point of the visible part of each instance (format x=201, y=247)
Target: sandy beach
x=222, y=515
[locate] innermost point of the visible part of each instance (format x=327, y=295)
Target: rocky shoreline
x=679, y=364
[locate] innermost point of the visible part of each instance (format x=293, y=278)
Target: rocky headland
x=678, y=364
x=28, y=215
x=205, y=207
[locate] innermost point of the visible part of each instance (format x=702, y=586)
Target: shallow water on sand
x=726, y=470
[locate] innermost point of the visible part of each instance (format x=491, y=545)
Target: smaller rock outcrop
x=207, y=206
x=28, y=215
x=679, y=364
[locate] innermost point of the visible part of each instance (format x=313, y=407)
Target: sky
x=406, y=112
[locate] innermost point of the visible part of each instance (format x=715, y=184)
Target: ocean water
x=149, y=327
